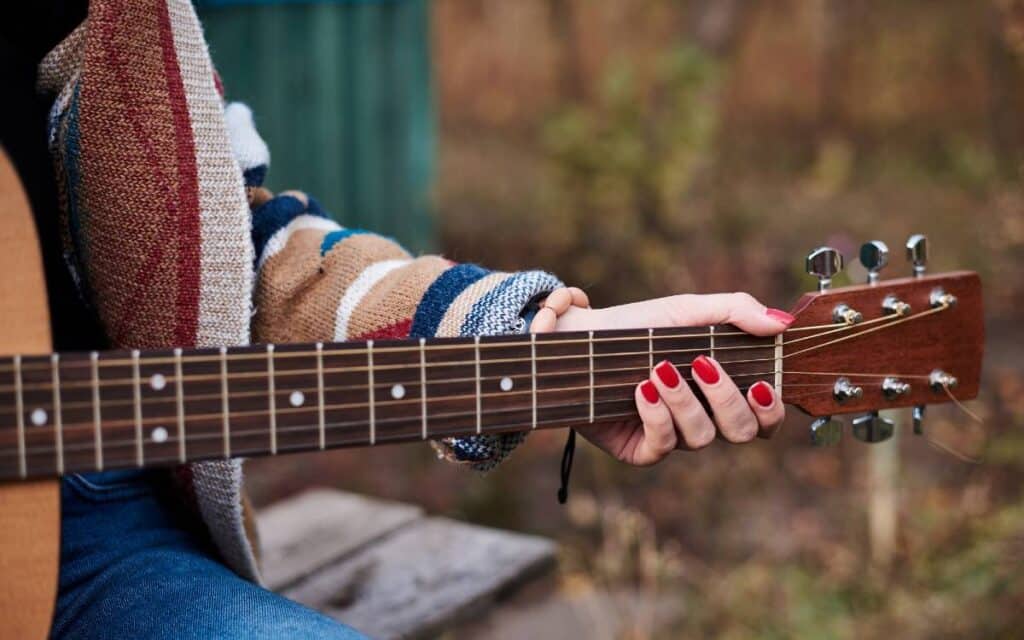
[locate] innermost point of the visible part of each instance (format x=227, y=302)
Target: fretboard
x=80, y=412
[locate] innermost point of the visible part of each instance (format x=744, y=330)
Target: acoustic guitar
x=907, y=342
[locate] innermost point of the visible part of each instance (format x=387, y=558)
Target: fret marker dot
x=398, y=392
x=506, y=384
x=38, y=417
x=158, y=382
x=297, y=398
x=159, y=434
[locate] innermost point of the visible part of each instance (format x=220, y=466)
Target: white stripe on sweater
x=278, y=241
x=358, y=290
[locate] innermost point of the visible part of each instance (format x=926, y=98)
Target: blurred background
x=644, y=147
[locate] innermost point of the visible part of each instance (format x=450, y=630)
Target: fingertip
x=649, y=393
x=761, y=395
x=559, y=300
x=544, y=321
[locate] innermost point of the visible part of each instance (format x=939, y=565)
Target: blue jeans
x=131, y=567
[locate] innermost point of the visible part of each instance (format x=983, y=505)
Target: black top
x=27, y=33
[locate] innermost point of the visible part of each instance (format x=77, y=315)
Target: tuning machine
x=917, y=255
x=824, y=263
x=871, y=427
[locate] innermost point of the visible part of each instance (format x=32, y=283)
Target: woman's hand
x=670, y=416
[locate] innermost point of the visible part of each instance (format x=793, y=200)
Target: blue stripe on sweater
x=440, y=295
x=334, y=237
x=275, y=215
x=72, y=176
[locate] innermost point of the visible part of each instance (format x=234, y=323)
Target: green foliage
x=622, y=165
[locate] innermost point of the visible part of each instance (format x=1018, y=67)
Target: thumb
x=740, y=309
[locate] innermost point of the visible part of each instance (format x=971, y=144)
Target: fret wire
x=179, y=401
x=225, y=408
x=476, y=351
x=449, y=363
x=373, y=409
x=590, y=344
x=423, y=388
x=97, y=417
x=320, y=394
x=271, y=399
x=137, y=408
x=19, y=404
x=58, y=431
x=533, y=376
x=650, y=348
x=639, y=371
x=711, y=339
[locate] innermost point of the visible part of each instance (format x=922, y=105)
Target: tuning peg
x=826, y=431
x=917, y=253
x=872, y=428
x=874, y=255
x=824, y=263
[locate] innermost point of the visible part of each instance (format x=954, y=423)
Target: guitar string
x=242, y=375
x=30, y=366
x=261, y=374
x=413, y=384
x=162, y=419
x=785, y=355
x=361, y=424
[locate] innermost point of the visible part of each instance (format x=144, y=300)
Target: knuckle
x=733, y=404
x=743, y=299
x=742, y=431
x=703, y=438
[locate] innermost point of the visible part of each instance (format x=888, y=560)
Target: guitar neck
x=80, y=412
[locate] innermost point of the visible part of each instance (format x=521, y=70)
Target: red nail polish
x=762, y=394
x=704, y=370
x=649, y=391
x=667, y=374
x=780, y=316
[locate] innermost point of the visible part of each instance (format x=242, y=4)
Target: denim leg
x=130, y=569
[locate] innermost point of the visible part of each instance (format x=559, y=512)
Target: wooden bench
x=388, y=569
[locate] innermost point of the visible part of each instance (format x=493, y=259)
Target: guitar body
x=29, y=511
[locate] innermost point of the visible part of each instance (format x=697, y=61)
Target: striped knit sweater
x=153, y=174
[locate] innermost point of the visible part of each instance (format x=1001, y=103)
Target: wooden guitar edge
x=29, y=511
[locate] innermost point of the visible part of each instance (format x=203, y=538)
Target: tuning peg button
x=874, y=256
x=873, y=428
x=917, y=253
x=824, y=263
x=826, y=431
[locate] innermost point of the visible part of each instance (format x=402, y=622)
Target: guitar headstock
x=885, y=344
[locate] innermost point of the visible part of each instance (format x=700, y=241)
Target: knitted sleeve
x=318, y=281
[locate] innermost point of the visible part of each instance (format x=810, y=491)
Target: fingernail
x=667, y=374
x=704, y=370
x=780, y=316
x=649, y=391
x=763, y=394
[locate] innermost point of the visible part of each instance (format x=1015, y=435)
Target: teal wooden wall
x=341, y=92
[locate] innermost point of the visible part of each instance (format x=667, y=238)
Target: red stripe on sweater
x=398, y=330
x=188, y=190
